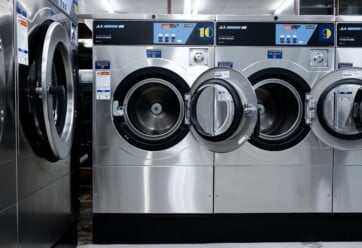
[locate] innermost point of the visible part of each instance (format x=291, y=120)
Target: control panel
x=349, y=34
x=274, y=34
x=118, y=32
x=294, y=34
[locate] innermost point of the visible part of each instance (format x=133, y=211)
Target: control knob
x=318, y=58
x=199, y=57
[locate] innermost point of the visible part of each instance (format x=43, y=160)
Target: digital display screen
x=172, y=33
x=294, y=34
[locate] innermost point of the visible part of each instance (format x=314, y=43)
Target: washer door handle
x=250, y=110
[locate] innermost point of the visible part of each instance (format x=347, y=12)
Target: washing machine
x=8, y=212
x=46, y=39
x=348, y=163
x=160, y=112
x=285, y=167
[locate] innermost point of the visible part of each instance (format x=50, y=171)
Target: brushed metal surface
x=347, y=184
x=156, y=189
x=34, y=172
x=273, y=189
x=45, y=215
x=8, y=227
x=8, y=209
x=297, y=179
x=44, y=200
x=120, y=168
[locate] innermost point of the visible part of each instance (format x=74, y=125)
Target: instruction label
x=103, y=85
x=222, y=74
x=22, y=37
x=352, y=74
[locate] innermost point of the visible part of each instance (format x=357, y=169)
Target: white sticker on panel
x=22, y=37
x=352, y=74
x=103, y=84
x=222, y=74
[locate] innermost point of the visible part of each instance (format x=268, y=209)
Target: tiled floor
x=244, y=245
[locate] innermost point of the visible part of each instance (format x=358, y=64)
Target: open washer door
x=335, y=105
x=222, y=109
x=50, y=99
x=2, y=90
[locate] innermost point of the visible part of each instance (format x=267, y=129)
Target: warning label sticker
x=103, y=84
x=22, y=37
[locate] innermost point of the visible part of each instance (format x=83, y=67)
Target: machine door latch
x=187, y=98
x=117, y=110
x=310, y=109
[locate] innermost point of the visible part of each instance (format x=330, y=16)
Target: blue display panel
x=294, y=34
x=180, y=33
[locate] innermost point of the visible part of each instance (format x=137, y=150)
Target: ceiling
x=177, y=6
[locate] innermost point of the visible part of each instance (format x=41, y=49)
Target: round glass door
x=223, y=109
x=47, y=97
x=339, y=109
x=149, y=108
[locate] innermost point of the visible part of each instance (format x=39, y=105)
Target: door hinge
x=310, y=109
x=117, y=110
x=187, y=98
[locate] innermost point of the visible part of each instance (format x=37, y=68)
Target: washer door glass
x=223, y=109
x=48, y=94
x=2, y=90
x=338, y=99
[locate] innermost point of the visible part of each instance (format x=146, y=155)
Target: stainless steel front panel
x=152, y=189
x=8, y=209
x=347, y=183
x=35, y=172
x=253, y=180
x=128, y=179
x=45, y=215
x=293, y=180
x=44, y=200
x=8, y=227
x=249, y=60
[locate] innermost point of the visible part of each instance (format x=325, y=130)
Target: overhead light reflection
x=284, y=5
x=195, y=10
x=108, y=5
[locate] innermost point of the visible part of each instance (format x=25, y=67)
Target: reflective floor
x=244, y=245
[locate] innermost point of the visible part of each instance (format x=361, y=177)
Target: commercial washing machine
x=284, y=168
x=160, y=111
x=45, y=79
x=8, y=217
x=348, y=164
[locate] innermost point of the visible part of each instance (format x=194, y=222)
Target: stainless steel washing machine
x=46, y=41
x=347, y=185
x=284, y=168
x=8, y=212
x=160, y=111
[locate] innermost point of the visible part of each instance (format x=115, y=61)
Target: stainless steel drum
x=154, y=109
x=280, y=108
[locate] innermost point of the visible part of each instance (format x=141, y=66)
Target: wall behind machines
x=8, y=211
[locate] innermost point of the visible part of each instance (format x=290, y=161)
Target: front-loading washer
x=46, y=42
x=8, y=207
x=348, y=163
x=284, y=168
x=160, y=112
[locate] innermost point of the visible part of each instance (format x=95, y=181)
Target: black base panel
x=214, y=228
